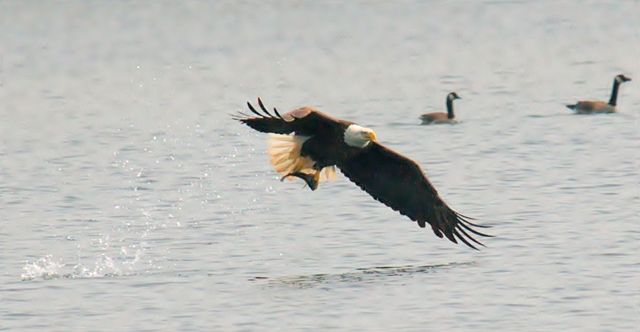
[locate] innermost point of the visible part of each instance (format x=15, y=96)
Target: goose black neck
x=614, y=93
x=449, y=108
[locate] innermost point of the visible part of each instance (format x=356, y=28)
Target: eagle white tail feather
x=284, y=153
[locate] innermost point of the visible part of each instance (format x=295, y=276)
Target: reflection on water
x=361, y=275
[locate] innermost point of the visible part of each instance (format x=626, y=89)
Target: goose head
x=453, y=96
x=621, y=78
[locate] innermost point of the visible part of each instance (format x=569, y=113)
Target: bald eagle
x=309, y=145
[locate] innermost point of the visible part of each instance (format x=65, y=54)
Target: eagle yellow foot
x=312, y=180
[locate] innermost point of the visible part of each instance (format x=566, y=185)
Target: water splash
x=103, y=266
x=46, y=267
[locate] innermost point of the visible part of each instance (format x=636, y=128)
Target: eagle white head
x=358, y=136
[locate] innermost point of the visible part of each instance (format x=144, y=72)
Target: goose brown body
x=588, y=107
x=436, y=118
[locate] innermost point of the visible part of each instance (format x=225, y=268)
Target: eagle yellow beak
x=372, y=136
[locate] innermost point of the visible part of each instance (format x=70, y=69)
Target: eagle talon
x=311, y=179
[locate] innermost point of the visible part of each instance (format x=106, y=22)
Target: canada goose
x=441, y=117
x=589, y=107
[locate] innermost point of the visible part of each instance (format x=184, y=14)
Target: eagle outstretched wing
x=399, y=183
x=302, y=121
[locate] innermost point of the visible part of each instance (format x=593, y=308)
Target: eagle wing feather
x=399, y=183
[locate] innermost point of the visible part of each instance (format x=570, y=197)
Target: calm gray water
x=129, y=200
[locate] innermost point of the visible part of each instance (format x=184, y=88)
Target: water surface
x=129, y=199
